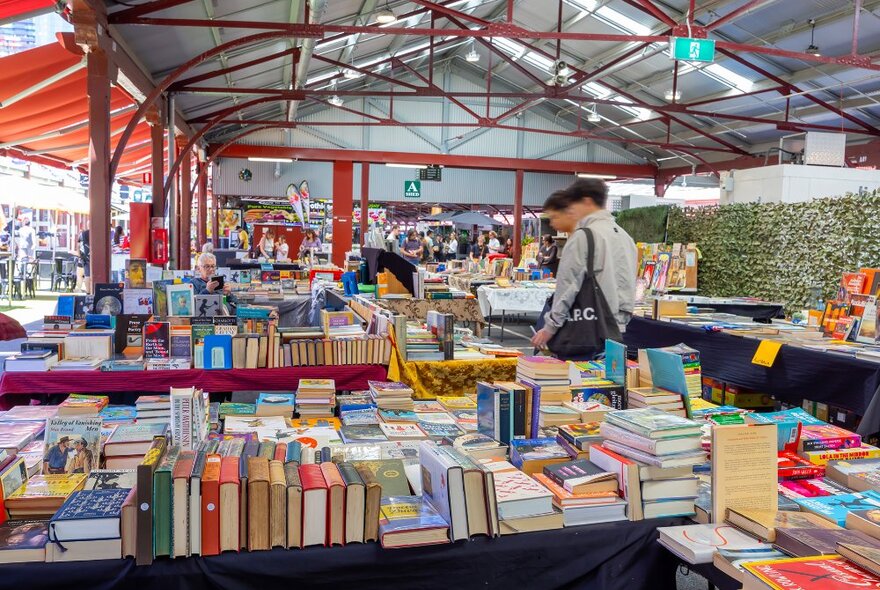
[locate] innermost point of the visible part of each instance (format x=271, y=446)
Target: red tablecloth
x=346, y=376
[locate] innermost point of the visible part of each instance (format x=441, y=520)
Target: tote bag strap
x=591, y=246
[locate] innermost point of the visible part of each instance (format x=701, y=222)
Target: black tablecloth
x=621, y=555
x=758, y=311
x=797, y=374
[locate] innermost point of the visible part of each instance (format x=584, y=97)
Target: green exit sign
x=686, y=49
x=412, y=189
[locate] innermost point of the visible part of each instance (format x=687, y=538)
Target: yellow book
x=456, y=403
x=823, y=457
x=333, y=423
x=48, y=486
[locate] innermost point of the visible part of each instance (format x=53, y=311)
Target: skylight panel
x=507, y=46
x=582, y=5
x=621, y=22
x=539, y=61
x=728, y=77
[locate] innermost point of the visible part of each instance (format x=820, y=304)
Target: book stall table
x=518, y=299
x=798, y=373
x=464, y=310
x=469, y=283
x=756, y=310
x=614, y=556
x=294, y=311
x=428, y=379
x=348, y=377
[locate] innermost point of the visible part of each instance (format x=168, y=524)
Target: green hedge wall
x=645, y=224
x=777, y=251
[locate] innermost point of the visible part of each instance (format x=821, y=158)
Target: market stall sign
x=687, y=49
x=766, y=354
x=412, y=189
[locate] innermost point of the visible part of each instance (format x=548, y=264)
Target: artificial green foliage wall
x=645, y=224
x=777, y=251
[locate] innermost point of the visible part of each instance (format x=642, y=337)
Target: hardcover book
x=818, y=541
x=72, y=444
x=409, y=521
x=811, y=573
x=836, y=508
x=361, y=433
x=108, y=298
x=389, y=473
x=652, y=423
x=111, y=479
x=180, y=299
x=23, y=541
x=89, y=514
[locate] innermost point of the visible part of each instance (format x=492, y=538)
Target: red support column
x=186, y=203
x=343, y=203
x=202, y=222
x=517, y=216
x=365, y=198
x=215, y=220
x=157, y=137
x=99, y=164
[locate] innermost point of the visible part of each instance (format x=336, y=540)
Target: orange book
x=281, y=451
x=872, y=280
x=211, y=506
x=335, y=505
x=229, y=504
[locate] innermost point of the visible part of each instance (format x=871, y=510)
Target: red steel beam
x=364, y=71
x=483, y=162
x=649, y=7
x=732, y=15
x=137, y=11
x=451, y=12
x=228, y=70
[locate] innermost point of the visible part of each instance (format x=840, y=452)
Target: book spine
x=505, y=416
x=519, y=413
x=182, y=421
x=627, y=438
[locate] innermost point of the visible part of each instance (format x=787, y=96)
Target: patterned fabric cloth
x=464, y=310
x=429, y=379
x=469, y=282
x=494, y=300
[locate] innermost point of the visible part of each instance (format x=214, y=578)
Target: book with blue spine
x=294, y=452
x=89, y=514
x=788, y=425
x=410, y=521
x=486, y=410
x=360, y=416
x=118, y=414
x=217, y=351
x=835, y=508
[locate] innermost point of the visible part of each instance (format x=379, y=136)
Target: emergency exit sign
x=687, y=49
x=412, y=189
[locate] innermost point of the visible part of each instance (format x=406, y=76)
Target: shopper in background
x=375, y=238
x=508, y=247
x=426, y=247
x=282, y=250
x=243, y=238
x=548, y=255
x=267, y=244
x=27, y=245
x=85, y=259
x=582, y=206
x=117, y=236
x=208, y=247
x=494, y=244
x=311, y=241
x=452, y=247
x=392, y=242
x=478, y=249
x=434, y=246
x=413, y=247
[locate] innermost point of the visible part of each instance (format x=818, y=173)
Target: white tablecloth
x=494, y=300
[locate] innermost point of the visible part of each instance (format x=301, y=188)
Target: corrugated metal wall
x=477, y=187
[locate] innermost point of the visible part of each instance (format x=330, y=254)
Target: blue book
x=487, y=399
x=89, y=514
x=535, y=449
x=117, y=414
x=615, y=362
x=217, y=351
x=534, y=427
x=401, y=516
x=66, y=305
x=248, y=312
x=294, y=451
x=287, y=400
x=788, y=425
x=835, y=508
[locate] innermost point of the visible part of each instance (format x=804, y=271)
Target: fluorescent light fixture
x=673, y=95
x=417, y=166
x=335, y=101
x=350, y=74
x=280, y=160
x=472, y=56
x=599, y=176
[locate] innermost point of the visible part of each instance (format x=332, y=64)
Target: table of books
x=613, y=556
x=428, y=379
x=348, y=377
x=797, y=374
x=464, y=310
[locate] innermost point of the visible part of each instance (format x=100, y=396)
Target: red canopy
x=13, y=10
x=44, y=110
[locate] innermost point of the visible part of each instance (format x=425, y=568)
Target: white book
x=676, y=460
x=401, y=430
x=182, y=417
x=245, y=424
x=697, y=543
x=443, y=488
x=519, y=495
x=668, y=446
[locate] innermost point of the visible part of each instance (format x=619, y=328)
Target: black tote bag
x=590, y=321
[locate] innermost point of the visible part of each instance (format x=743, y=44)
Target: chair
x=4, y=280
x=64, y=273
x=31, y=270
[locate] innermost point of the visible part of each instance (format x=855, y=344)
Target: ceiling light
x=417, y=166
x=812, y=49
x=350, y=74
x=386, y=16
x=594, y=117
x=670, y=96
x=599, y=176
x=472, y=56
x=281, y=160
x=335, y=101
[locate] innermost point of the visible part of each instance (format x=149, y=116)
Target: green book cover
x=267, y=450
x=237, y=409
x=202, y=327
x=162, y=515
x=390, y=475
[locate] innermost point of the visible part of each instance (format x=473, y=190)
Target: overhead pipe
x=316, y=13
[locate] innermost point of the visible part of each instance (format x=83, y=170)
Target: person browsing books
x=310, y=242
x=267, y=244
x=203, y=284
x=582, y=205
x=494, y=244
x=548, y=255
x=412, y=247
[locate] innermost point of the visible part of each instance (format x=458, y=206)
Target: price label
x=766, y=353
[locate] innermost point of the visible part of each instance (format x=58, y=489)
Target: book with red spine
x=314, y=505
x=335, y=505
x=211, y=506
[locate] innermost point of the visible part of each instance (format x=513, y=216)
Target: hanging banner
x=295, y=198
x=304, y=197
x=270, y=213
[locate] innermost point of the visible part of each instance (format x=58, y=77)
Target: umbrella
x=473, y=218
x=440, y=216
x=10, y=329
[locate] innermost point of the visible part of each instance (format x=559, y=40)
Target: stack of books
x=391, y=395
x=585, y=493
x=33, y=360
x=316, y=398
x=78, y=404
x=153, y=409
x=665, y=448
x=548, y=374
x=654, y=397
x=88, y=526
x=422, y=344
x=126, y=446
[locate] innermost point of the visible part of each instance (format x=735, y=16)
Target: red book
x=211, y=506
x=314, y=505
x=229, y=505
x=281, y=451
x=336, y=504
x=827, y=572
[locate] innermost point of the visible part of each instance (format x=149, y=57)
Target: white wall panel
x=264, y=183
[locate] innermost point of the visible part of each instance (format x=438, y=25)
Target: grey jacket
x=614, y=262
